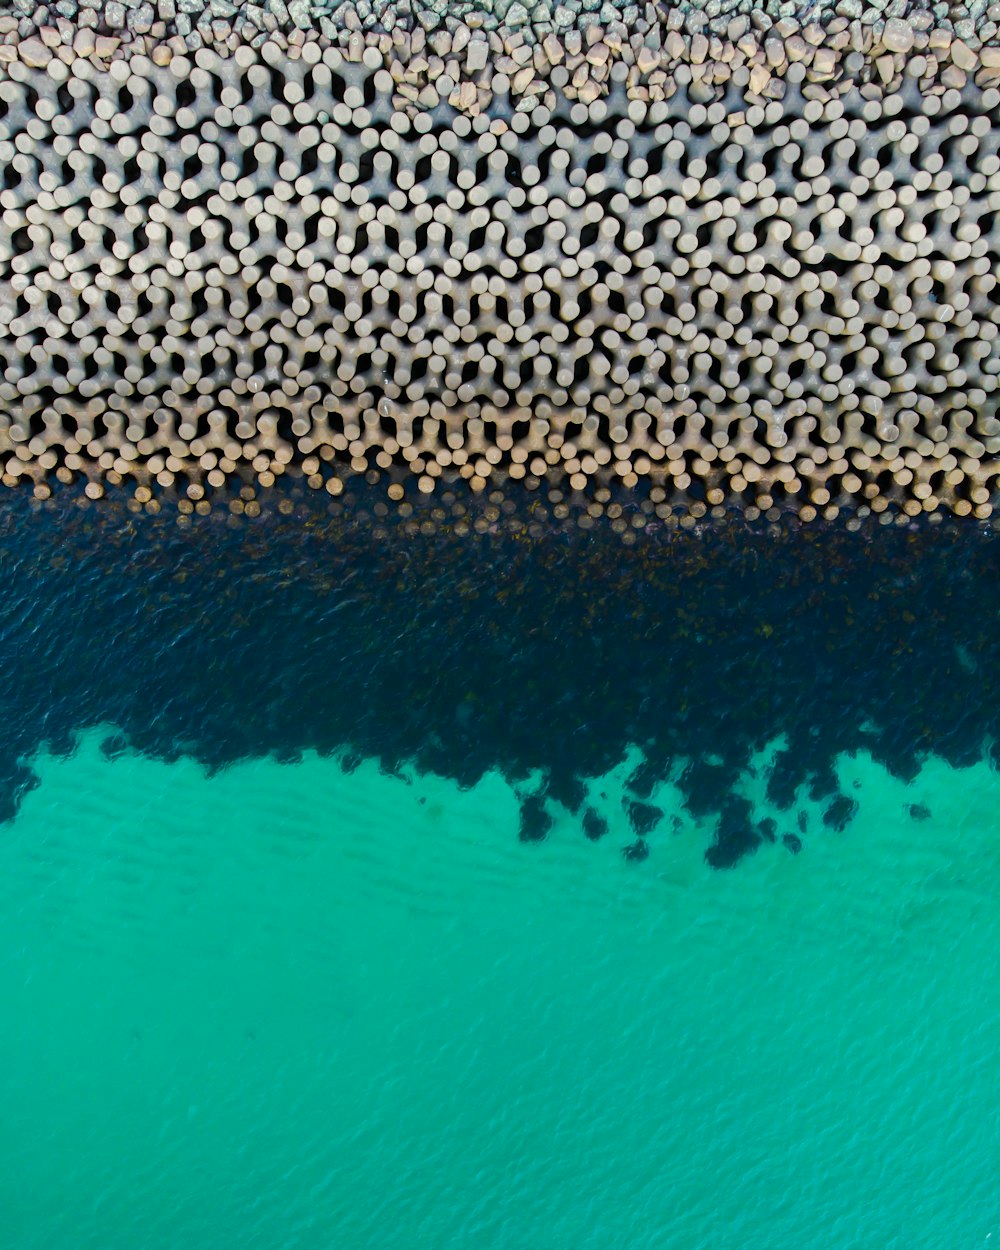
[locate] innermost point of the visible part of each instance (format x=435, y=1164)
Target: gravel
x=710, y=16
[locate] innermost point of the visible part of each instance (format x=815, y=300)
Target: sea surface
x=371, y=884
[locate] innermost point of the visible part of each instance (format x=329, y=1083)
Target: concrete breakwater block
x=759, y=268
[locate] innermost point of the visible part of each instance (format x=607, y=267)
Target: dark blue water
x=533, y=645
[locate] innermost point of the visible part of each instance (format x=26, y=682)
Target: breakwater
x=741, y=259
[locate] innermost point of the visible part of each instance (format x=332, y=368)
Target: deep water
x=542, y=652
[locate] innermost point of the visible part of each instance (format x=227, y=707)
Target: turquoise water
x=293, y=1006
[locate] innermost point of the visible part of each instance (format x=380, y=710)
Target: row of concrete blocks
x=259, y=264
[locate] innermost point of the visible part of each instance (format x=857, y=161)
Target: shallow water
x=292, y=1006
x=316, y=927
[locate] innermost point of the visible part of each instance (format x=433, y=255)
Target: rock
x=552, y=49
x=796, y=48
x=142, y=19
x=643, y=817
x=477, y=56
x=598, y=54
x=594, y=824
x=824, y=61
x=759, y=78
x=673, y=44
x=963, y=56
x=536, y=821
x=990, y=57
x=897, y=35
x=647, y=60
x=841, y=811
x=34, y=53
x=114, y=15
